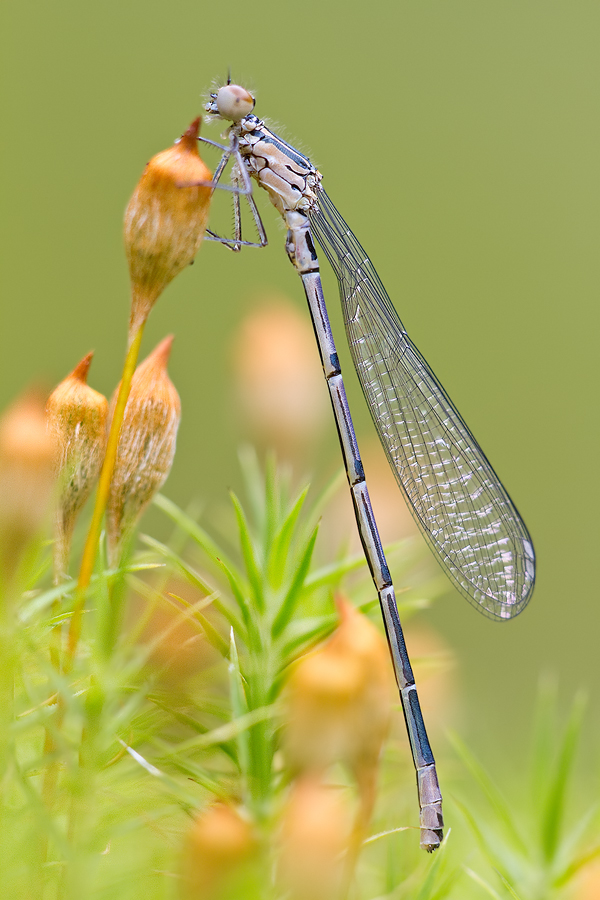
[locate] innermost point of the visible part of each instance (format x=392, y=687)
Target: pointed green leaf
x=324, y=497
x=281, y=542
x=238, y=589
x=286, y=610
x=233, y=730
x=252, y=570
x=482, y=883
x=239, y=706
x=198, y=582
x=311, y=632
x=499, y=804
x=212, y=635
x=188, y=767
x=554, y=809
x=508, y=886
x=33, y=605
x=177, y=562
x=195, y=532
x=272, y=501
x=544, y=739
x=254, y=483
x=488, y=847
x=332, y=574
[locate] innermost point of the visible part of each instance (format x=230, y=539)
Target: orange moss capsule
x=77, y=416
x=146, y=446
x=28, y=458
x=340, y=698
x=315, y=832
x=165, y=221
x=340, y=705
x=218, y=854
x=278, y=379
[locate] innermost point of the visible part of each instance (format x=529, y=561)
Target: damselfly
x=456, y=498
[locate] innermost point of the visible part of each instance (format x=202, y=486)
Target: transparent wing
x=457, y=499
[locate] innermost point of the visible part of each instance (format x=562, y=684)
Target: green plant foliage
x=107, y=766
x=538, y=847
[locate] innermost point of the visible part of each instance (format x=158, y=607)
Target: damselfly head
x=232, y=102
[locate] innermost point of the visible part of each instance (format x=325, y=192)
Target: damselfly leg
x=240, y=186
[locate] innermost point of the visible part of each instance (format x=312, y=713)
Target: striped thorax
x=289, y=178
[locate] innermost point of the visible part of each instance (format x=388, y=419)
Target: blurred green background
x=460, y=140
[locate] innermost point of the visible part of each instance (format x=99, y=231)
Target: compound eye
x=234, y=102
